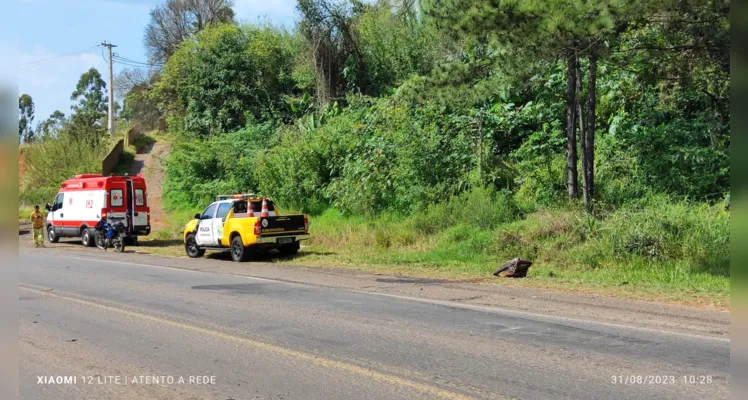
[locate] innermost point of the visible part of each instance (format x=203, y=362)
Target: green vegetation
x=24, y=212
x=51, y=162
x=451, y=159
x=128, y=156
x=142, y=141
x=447, y=136
x=61, y=146
x=655, y=248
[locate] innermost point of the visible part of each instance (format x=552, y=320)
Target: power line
x=134, y=61
x=130, y=62
x=48, y=60
x=137, y=65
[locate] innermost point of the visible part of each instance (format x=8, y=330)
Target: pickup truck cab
x=244, y=223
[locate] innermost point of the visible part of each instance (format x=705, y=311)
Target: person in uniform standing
x=37, y=223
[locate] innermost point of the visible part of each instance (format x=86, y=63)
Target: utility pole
x=110, y=124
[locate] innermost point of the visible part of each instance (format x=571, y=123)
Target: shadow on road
x=147, y=143
x=136, y=167
x=261, y=256
x=160, y=243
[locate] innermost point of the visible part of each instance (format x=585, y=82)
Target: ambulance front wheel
x=51, y=235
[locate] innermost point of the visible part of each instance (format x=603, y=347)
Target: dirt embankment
x=150, y=161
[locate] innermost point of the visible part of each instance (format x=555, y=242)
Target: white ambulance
x=85, y=199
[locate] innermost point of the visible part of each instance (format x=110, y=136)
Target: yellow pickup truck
x=244, y=223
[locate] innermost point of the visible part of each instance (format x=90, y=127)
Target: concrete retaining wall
x=112, y=159
x=131, y=135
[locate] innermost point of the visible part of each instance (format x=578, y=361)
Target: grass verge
x=671, y=252
x=24, y=212
x=655, y=250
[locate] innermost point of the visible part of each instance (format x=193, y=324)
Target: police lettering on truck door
x=205, y=226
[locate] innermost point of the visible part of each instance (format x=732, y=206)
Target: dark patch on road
x=241, y=287
x=264, y=289
x=465, y=298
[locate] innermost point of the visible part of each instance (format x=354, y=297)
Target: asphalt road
x=111, y=324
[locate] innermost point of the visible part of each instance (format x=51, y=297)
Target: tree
x=395, y=45
x=51, y=127
x=141, y=107
x=671, y=107
x=332, y=46
x=91, y=107
x=572, y=176
x=26, y=111
x=176, y=20
x=135, y=86
x=529, y=32
x=227, y=77
x=129, y=78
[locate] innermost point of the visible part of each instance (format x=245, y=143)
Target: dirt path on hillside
x=151, y=162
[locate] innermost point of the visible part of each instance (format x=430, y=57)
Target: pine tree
x=526, y=33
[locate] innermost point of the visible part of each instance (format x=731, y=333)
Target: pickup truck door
x=205, y=226
x=219, y=221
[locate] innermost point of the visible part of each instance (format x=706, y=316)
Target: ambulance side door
x=117, y=199
x=140, y=217
x=205, y=226
x=56, y=214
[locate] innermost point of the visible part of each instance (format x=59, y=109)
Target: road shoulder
x=592, y=307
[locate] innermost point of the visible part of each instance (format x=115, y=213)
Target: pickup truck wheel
x=238, y=251
x=191, y=248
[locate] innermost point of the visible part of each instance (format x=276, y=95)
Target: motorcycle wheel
x=99, y=240
x=119, y=245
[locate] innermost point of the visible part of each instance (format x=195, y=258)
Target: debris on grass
x=516, y=268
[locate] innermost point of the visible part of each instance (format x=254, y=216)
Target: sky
x=57, y=39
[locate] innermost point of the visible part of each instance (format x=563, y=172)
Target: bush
x=198, y=170
x=55, y=160
x=142, y=141
x=660, y=229
x=225, y=78
x=482, y=208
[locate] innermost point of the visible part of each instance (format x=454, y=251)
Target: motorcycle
x=110, y=234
